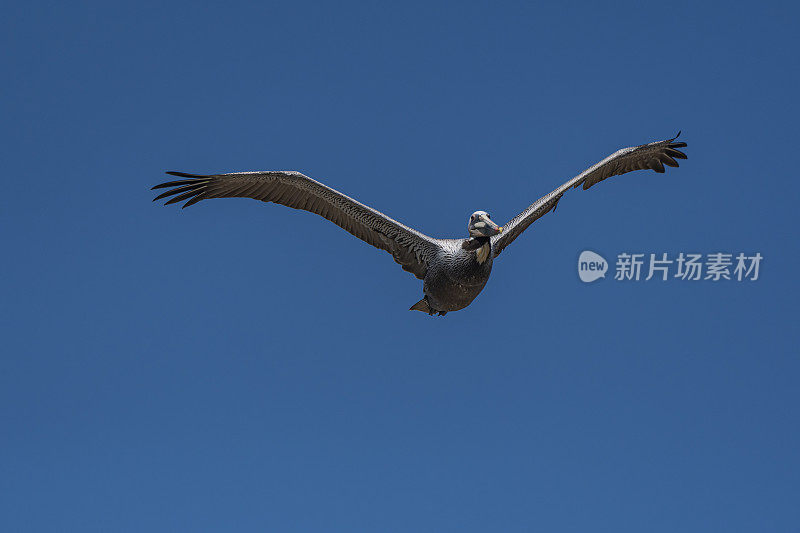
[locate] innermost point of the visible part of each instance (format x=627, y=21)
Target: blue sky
x=243, y=366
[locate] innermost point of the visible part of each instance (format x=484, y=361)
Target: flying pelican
x=454, y=270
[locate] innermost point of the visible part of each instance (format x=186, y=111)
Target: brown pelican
x=454, y=270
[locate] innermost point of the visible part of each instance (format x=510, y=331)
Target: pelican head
x=481, y=225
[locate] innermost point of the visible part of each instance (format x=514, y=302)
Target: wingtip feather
x=184, y=174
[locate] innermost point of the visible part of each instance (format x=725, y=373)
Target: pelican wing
x=412, y=249
x=647, y=156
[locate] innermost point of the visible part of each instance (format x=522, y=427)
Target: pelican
x=454, y=271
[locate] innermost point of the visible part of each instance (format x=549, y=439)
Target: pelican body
x=454, y=271
x=457, y=278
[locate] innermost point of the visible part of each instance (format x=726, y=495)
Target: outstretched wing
x=647, y=156
x=412, y=249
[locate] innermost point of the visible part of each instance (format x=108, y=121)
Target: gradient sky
x=239, y=366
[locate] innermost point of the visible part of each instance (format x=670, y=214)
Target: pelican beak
x=493, y=229
x=484, y=227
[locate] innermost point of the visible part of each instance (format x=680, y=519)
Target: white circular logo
x=591, y=266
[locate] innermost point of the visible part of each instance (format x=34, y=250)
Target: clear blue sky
x=240, y=366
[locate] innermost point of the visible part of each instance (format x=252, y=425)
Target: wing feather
x=411, y=249
x=647, y=156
